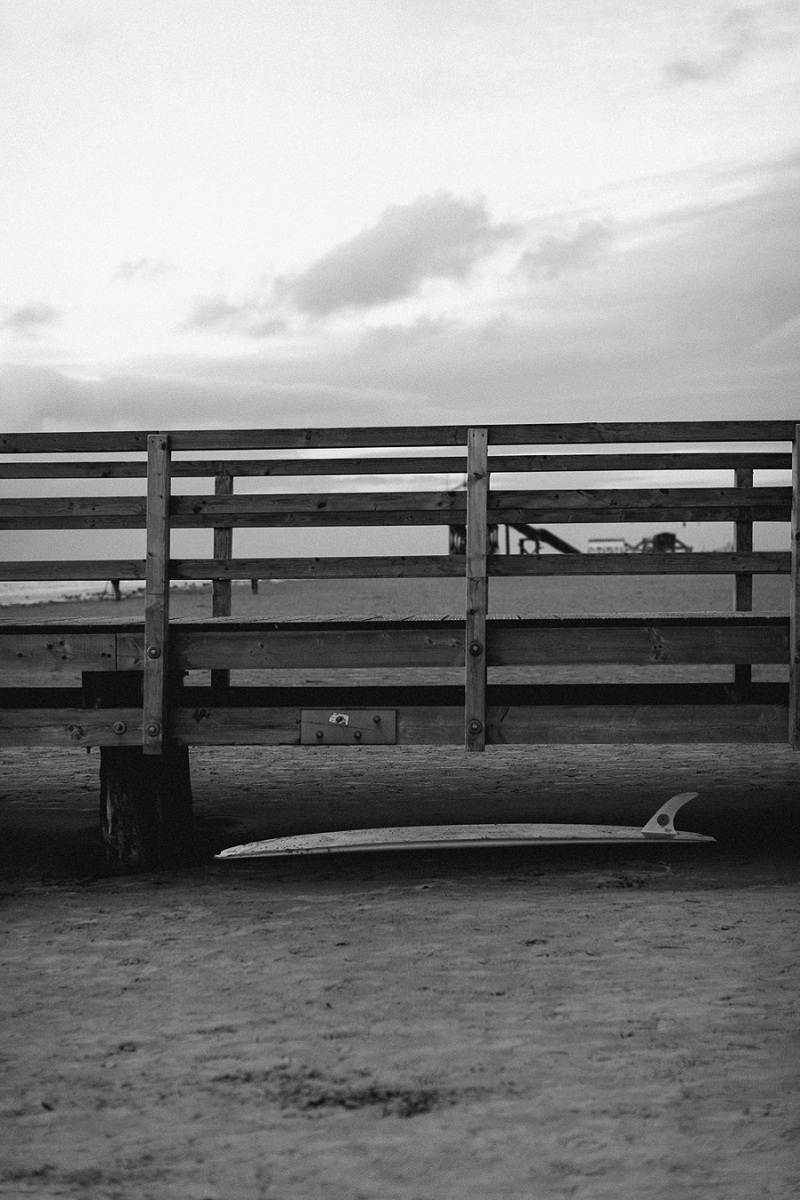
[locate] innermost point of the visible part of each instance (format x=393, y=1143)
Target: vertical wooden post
x=743, y=585
x=156, y=594
x=794, y=603
x=477, y=589
x=221, y=588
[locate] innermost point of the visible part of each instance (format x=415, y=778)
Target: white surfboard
x=660, y=828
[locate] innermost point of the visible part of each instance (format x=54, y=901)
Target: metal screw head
x=320, y=735
x=376, y=719
x=663, y=819
x=357, y=734
x=154, y=652
x=475, y=648
x=153, y=729
x=119, y=727
x=475, y=726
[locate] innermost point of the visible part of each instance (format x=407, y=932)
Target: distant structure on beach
x=659, y=543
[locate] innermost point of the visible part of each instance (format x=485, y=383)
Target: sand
x=514, y=1023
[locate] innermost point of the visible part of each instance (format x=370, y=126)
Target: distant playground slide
x=537, y=536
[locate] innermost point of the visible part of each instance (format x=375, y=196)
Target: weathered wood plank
x=743, y=581
x=761, y=562
x=156, y=598
x=338, y=648
x=794, y=602
x=625, y=724
x=402, y=508
x=477, y=597
x=389, y=567
x=73, y=512
x=641, y=503
x=399, y=464
x=654, y=645
x=221, y=584
x=56, y=570
x=416, y=725
x=434, y=435
x=56, y=654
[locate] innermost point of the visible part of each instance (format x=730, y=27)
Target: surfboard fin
x=661, y=823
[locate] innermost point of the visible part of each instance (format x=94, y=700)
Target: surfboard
x=659, y=828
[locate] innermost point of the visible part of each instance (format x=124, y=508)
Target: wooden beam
x=56, y=653
x=399, y=464
x=23, y=571
x=221, y=585
x=433, y=435
x=716, y=562
x=156, y=600
x=477, y=591
x=743, y=581
x=423, y=725
x=374, y=567
x=794, y=602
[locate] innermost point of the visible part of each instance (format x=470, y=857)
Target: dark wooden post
x=743, y=586
x=221, y=588
x=145, y=807
x=477, y=589
x=145, y=791
x=794, y=602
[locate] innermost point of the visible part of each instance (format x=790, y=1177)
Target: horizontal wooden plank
x=620, y=432
x=387, y=567
x=416, y=725
x=762, y=562
x=626, y=725
x=55, y=570
x=641, y=641
x=73, y=512
x=376, y=508
x=56, y=653
x=672, y=461
x=271, y=467
x=653, y=645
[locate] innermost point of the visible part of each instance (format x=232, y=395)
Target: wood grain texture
x=402, y=464
x=435, y=435
x=156, y=596
x=762, y=562
x=477, y=597
x=794, y=602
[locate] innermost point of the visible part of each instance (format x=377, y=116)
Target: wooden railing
x=481, y=454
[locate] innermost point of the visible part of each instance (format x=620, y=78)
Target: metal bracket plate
x=348, y=727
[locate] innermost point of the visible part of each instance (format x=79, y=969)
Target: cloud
x=255, y=317
x=438, y=236
x=30, y=319
x=142, y=269
x=571, y=252
x=736, y=38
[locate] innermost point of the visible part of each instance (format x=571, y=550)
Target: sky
x=397, y=211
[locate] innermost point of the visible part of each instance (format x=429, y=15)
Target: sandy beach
x=542, y=1022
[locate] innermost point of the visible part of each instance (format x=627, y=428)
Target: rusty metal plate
x=348, y=727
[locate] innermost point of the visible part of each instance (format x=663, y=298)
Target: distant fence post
x=477, y=589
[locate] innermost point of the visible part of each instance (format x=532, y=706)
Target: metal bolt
x=663, y=819
x=475, y=726
x=357, y=734
x=154, y=652
x=475, y=648
x=119, y=727
x=376, y=719
x=153, y=729
x=320, y=735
